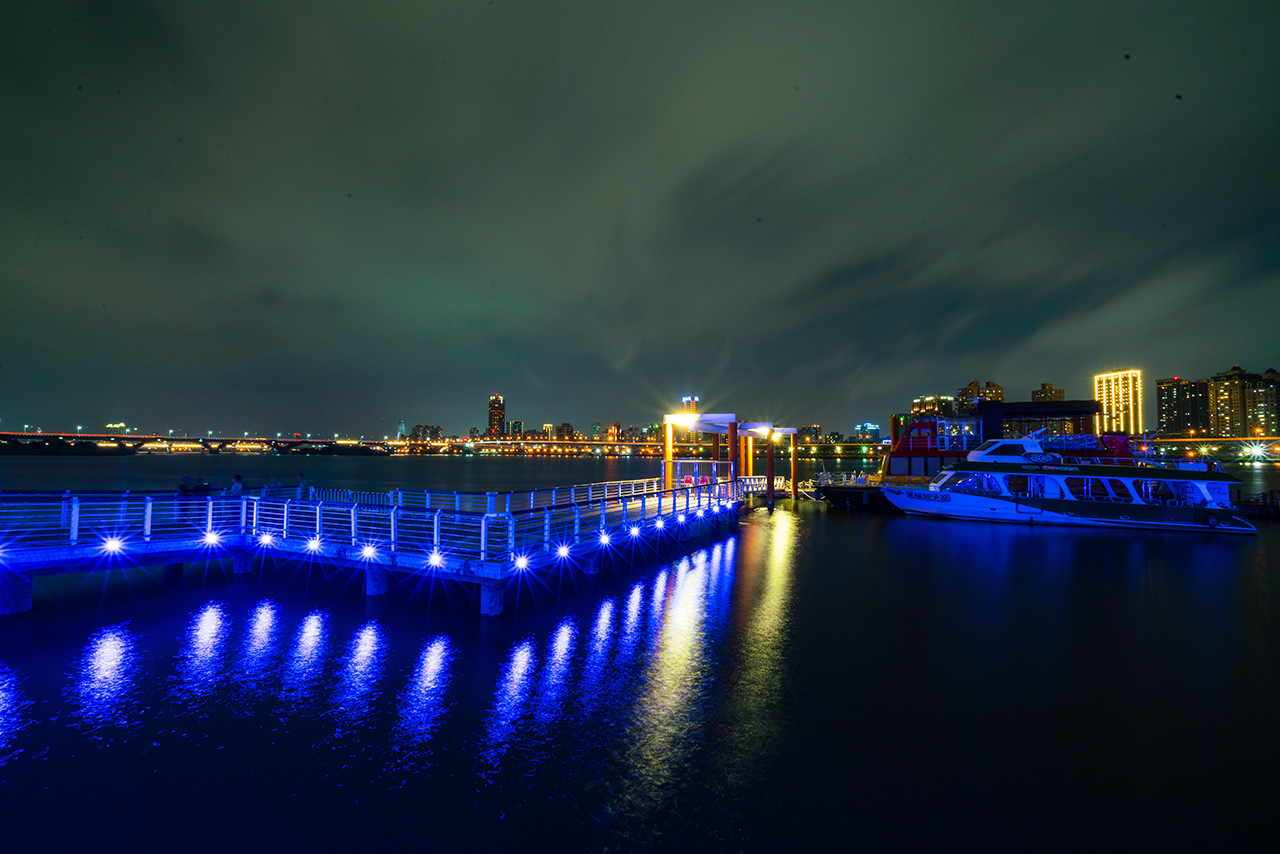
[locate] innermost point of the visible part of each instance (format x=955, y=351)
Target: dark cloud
x=254, y=217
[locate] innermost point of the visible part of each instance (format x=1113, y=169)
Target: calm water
x=818, y=678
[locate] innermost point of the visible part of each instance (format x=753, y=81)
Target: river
x=816, y=678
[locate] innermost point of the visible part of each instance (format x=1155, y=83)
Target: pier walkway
x=480, y=538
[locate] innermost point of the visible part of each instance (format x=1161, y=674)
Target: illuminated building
x=809, y=433
x=1120, y=393
x=1243, y=404
x=1048, y=392
x=866, y=432
x=565, y=432
x=515, y=429
x=969, y=398
x=689, y=406
x=497, y=415
x=934, y=404
x=548, y=430
x=1182, y=407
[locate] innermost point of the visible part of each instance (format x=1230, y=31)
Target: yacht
x=1032, y=482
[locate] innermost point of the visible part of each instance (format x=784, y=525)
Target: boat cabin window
x=976, y=484
x=1119, y=491
x=988, y=445
x=1009, y=450
x=1088, y=488
x=1154, y=491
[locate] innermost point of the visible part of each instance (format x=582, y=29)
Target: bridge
x=486, y=539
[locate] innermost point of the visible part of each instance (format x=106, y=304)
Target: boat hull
x=1037, y=511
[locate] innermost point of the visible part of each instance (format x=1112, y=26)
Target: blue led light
x=266, y=540
x=680, y=518
x=522, y=562
x=659, y=524
x=604, y=538
x=368, y=552
x=113, y=545
x=435, y=558
x=313, y=544
x=635, y=530
x=563, y=551
x=699, y=512
x=211, y=538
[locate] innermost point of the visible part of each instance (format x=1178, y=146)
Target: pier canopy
x=740, y=442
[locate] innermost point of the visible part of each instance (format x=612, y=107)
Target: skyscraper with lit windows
x=1120, y=393
x=497, y=415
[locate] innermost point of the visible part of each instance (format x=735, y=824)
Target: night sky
x=334, y=216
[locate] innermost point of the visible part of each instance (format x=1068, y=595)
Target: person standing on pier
x=303, y=492
x=237, y=486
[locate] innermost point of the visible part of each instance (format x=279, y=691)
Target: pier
x=486, y=539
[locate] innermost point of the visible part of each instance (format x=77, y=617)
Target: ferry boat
x=1022, y=480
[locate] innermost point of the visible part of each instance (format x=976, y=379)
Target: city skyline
x=243, y=217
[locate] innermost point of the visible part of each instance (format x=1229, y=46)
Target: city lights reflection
x=422, y=703
x=106, y=677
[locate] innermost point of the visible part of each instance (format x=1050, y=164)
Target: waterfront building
x=1120, y=393
x=497, y=415
x=1182, y=407
x=426, y=433
x=1047, y=392
x=971, y=396
x=1243, y=403
x=934, y=404
x=689, y=406
x=515, y=429
x=867, y=433
x=1262, y=405
x=565, y=432
x=809, y=433
x=1048, y=417
x=597, y=432
x=548, y=431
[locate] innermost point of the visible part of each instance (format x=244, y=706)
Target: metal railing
x=483, y=530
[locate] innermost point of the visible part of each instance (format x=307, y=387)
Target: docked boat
x=1022, y=480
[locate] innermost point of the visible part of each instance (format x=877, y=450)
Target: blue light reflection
x=306, y=660
x=259, y=648
x=201, y=661
x=12, y=710
x=422, y=703
x=106, y=678
x=508, y=702
x=555, y=673
x=360, y=674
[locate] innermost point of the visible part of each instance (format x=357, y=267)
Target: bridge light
x=368, y=552
x=313, y=544
x=211, y=538
x=113, y=545
x=435, y=558
x=522, y=562
x=562, y=552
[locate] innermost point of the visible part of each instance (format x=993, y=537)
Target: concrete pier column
x=795, y=490
x=375, y=580
x=668, y=456
x=241, y=563
x=15, y=592
x=490, y=598
x=731, y=450
x=768, y=471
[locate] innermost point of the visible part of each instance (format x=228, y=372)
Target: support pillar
x=490, y=598
x=715, y=454
x=375, y=580
x=241, y=563
x=731, y=442
x=15, y=592
x=768, y=472
x=749, y=465
x=795, y=484
x=668, y=456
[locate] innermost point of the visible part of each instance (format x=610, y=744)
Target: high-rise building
x=689, y=406
x=1262, y=404
x=515, y=429
x=1243, y=404
x=565, y=431
x=1048, y=392
x=969, y=397
x=1182, y=407
x=934, y=404
x=866, y=432
x=1120, y=393
x=549, y=430
x=497, y=415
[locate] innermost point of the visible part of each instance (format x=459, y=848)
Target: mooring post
x=490, y=598
x=15, y=592
x=375, y=580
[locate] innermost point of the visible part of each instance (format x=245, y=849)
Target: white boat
x=1020, y=480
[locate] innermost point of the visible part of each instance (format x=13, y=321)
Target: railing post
x=244, y=512
x=75, y=519
x=208, y=516
x=577, y=523
x=546, y=529
x=511, y=535
x=395, y=515
x=435, y=529
x=285, y=522
x=66, y=509
x=146, y=521
x=426, y=498
x=531, y=495
x=354, y=524
x=257, y=506
x=484, y=537
x=319, y=505
x=643, y=515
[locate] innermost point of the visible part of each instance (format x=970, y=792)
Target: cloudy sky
x=331, y=217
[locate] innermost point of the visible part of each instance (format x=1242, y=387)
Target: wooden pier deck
x=481, y=538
